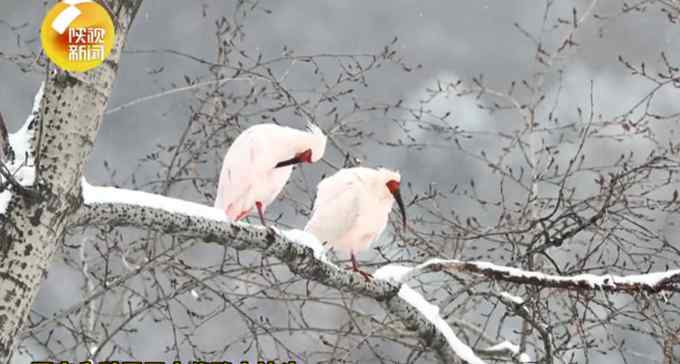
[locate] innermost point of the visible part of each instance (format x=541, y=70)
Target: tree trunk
x=64, y=130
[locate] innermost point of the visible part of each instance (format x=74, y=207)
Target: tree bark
x=63, y=134
x=64, y=129
x=267, y=241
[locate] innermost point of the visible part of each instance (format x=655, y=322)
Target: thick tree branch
x=118, y=207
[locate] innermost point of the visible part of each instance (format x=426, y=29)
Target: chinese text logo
x=77, y=35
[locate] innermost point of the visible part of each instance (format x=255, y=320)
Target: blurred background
x=489, y=43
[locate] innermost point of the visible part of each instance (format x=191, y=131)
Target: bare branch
x=119, y=207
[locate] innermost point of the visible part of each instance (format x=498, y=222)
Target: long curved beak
x=397, y=196
x=293, y=161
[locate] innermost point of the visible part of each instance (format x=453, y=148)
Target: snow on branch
x=101, y=195
x=398, y=274
x=650, y=282
x=305, y=256
x=512, y=298
x=304, y=238
x=431, y=313
x=300, y=251
x=505, y=349
x=19, y=168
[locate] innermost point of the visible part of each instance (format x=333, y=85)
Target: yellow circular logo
x=77, y=35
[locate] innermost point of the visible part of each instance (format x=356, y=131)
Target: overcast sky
x=451, y=39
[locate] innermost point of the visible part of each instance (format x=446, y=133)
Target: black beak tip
x=286, y=163
x=402, y=208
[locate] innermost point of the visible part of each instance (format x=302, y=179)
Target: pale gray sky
x=451, y=39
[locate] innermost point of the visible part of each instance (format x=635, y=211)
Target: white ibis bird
x=352, y=208
x=259, y=163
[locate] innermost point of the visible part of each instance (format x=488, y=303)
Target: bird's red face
x=305, y=156
x=302, y=157
x=393, y=186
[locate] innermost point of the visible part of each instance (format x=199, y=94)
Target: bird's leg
x=355, y=267
x=258, y=204
x=242, y=215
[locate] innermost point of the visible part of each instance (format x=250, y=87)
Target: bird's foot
x=241, y=215
x=367, y=276
x=355, y=268
x=258, y=204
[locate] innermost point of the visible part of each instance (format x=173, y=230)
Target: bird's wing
x=244, y=163
x=330, y=187
x=336, y=208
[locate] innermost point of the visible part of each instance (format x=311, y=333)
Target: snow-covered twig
x=399, y=274
x=650, y=282
x=505, y=349
x=512, y=298
x=431, y=313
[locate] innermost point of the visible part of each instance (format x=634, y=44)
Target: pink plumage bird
x=352, y=208
x=259, y=163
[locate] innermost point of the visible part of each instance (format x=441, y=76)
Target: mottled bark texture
x=299, y=259
x=65, y=131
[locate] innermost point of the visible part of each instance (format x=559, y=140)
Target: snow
x=524, y=358
x=507, y=346
x=594, y=281
x=398, y=273
x=5, y=198
x=102, y=195
x=650, y=279
x=431, y=313
x=306, y=239
x=512, y=298
x=22, y=167
x=504, y=346
x=393, y=273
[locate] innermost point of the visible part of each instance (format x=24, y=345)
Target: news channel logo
x=77, y=35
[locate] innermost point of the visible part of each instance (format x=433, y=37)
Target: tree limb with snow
x=119, y=207
x=524, y=275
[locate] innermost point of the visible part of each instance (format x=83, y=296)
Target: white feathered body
x=248, y=171
x=352, y=208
